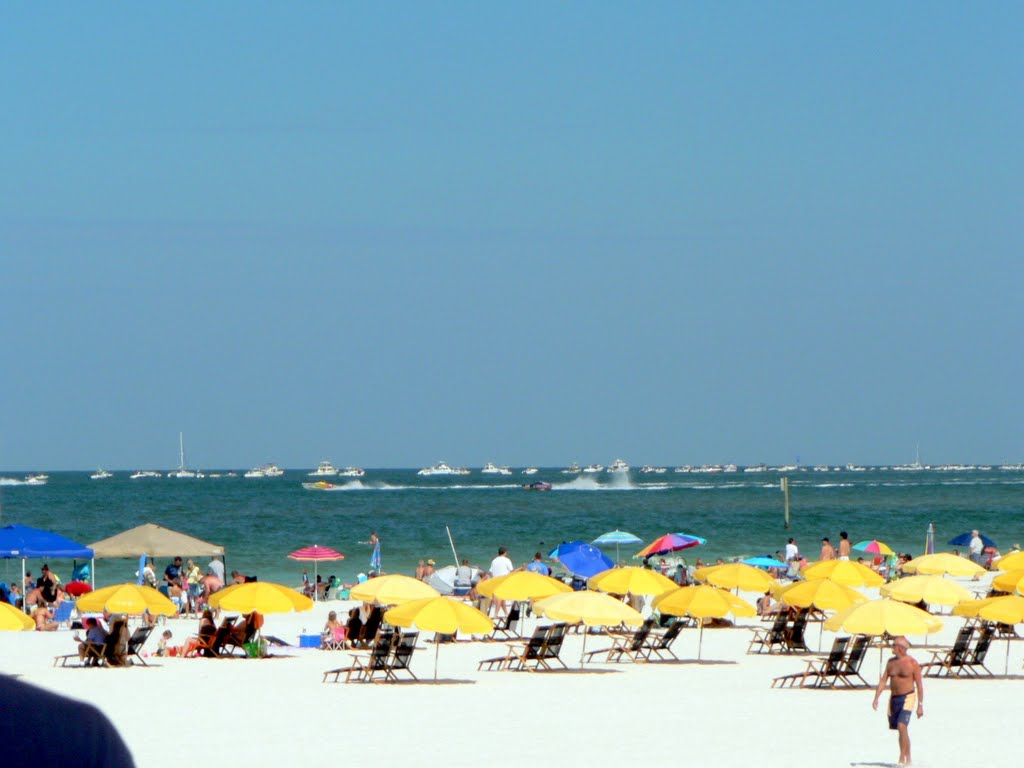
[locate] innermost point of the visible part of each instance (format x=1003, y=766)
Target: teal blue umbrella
x=617, y=538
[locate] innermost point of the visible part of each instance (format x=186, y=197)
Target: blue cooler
x=309, y=641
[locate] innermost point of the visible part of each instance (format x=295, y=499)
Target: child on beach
x=164, y=647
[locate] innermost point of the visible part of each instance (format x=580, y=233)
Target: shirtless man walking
x=903, y=674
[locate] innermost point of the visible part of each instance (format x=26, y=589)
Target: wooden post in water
x=784, y=484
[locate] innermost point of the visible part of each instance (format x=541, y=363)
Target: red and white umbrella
x=315, y=554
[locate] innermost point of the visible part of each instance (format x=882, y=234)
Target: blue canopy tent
x=20, y=541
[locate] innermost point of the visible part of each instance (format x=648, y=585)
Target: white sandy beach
x=720, y=712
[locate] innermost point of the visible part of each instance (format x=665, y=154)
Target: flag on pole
x=375, y=557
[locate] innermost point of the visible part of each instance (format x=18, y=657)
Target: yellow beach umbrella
x=262, y=596
x=930, y=589
x=885, y=616
x=1011, y=562
x=1005, y=609
x=129, y=598
x=736, y=576
x=440, y=614
x=823, y=594
x=592, y=608
x=13, y=620
x=943, y=562
x=702, y=602
x=1011, y=581
x=522, y=585
x=393, y=589
x=632, y=580
x=846, y=572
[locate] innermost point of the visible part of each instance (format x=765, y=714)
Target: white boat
x=39, y=479
x=351, y=472
x=530, y=471
x=100, y=474
x=267, y=470
x=325, y=469
x=491, y=469
x=181, y=471
x=592, y=469
x=573, y=469
x=438, y=469
x=647, y=469
x=618, y=466
x=143, y=473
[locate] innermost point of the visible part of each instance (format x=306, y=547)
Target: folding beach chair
x=335, y=641
x=365, y=667
x=795, y=634
x=401, y=656
x=508, y=628
x=818, y=671
x=112, y=652
x=135, y=643
x=64, y=611
x=976, y=655
x=518, y=652
x=950, y=662
x=765, y=640
x=550, y=651
x=211, y=645
x=659, y=643
x=633, y=646
x=850, y=667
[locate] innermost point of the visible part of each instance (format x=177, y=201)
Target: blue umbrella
x=618, y=538
x=582, y=559
x=964, y=539
x=763, y=562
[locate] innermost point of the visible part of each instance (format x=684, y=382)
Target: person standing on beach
x=827, y=552
x=903, y=674
x=792, y=550
x=500, y=566
x=844, y=546
x=976, y=547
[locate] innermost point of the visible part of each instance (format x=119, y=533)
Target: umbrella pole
x=316, y=590
x=700, y=638
x=584, y=655
x=437, y=650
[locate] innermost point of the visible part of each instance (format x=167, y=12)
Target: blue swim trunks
x=900, y=708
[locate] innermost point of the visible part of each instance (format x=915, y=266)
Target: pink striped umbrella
x=315, y=554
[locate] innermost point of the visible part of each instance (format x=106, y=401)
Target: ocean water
x=259, y=521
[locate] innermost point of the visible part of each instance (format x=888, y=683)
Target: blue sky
x=527, y=233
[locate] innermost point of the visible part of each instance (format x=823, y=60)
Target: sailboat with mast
x=182, y=471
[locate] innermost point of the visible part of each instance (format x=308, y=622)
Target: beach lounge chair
x=976, y=655
x=401, y=656
x=518, y=651
x=550, y=651
x=767, y=640
x=659, y=643
x=951, y=662
x=111, y=653
x=850, y=667
x=365, y=667
x=795, y=634
x=818, y=671
x=212, y=645
x=632, y=646
x=135, y=643
x=508, y=628
x=240, y=636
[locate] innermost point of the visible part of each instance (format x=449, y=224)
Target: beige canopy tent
x=156, y=541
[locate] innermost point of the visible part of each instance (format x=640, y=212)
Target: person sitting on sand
x=43, y=618
x=332, y=628
x=354, y=625
x=164, y=647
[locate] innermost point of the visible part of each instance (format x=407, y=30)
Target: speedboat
x=438, y=469
x=530, y=471
x=647, y=469
x=490, y=469
x=618, y=466
x=100, y=474
x=351, y=472
x=143, y=473
x=325, y=469
x=591, y=469
x=574, y=469
x=36, y=479
x=540, y=485
x=321, y=485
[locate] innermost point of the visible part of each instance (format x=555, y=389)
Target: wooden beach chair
x=818, y=671
x=659, y=643
x=632, y=646
x=795, y=634
x=976, y=655
x=550, y=652
x=850, y=667
x=507, y=630
x=211, y=646
x=950, y=662
x=135, y=643
x=401, y=655
x=519, y=651
x=365, y=667
x=765, y=640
